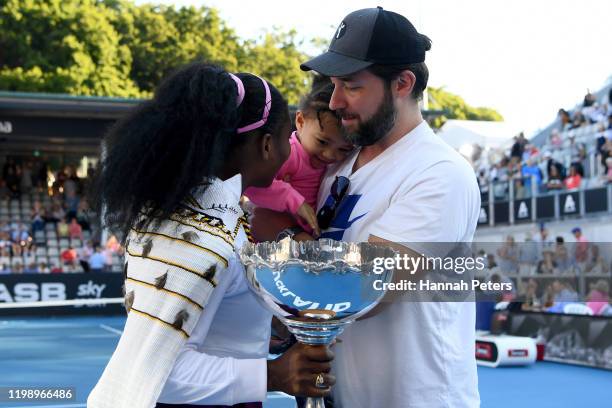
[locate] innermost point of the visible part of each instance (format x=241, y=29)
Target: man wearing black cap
x=404, y=185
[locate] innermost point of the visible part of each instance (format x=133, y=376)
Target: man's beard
x=377, y=127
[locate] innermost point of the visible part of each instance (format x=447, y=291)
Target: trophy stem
x=314, y=403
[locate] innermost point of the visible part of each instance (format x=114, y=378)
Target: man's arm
x=398, y=275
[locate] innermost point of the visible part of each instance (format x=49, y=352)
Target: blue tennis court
x=73, y=351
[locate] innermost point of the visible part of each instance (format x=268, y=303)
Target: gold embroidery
x=157, y=319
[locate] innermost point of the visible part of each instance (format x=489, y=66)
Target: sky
x=524, y=58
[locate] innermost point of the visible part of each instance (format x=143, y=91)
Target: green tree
x=67, y=46
x=162, y=38
x=118, y=48
x=456, y=108
x=277, y=59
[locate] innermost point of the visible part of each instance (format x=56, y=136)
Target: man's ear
x=405, y=83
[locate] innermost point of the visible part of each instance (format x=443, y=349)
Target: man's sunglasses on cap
x=328, y=211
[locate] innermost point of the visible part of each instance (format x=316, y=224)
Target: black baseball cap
x=367, y=37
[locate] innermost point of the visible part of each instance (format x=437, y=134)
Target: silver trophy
x=316, y=288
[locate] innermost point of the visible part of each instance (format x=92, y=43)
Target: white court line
x=71, y=302
x=278, y=394
x=111, y=329
x=51, y=406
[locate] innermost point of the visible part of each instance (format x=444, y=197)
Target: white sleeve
x=200, y=378
x=440, y=207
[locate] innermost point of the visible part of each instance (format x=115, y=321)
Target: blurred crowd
x=46, y=223
x=579, y=148
x=549, y=274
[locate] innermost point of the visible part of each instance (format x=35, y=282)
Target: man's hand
x=308, y=214
x=296, y=371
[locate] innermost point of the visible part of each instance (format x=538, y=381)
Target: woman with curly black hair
x=170, y=182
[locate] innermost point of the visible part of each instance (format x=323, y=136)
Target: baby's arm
x=279, y=196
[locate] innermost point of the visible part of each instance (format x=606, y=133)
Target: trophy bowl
x=318, y=287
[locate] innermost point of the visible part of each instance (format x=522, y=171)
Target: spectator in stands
x=578, y=120
x=599, y=296
x=555, y=139
x=564, y=292
x=552, y=161
x=589, y=100
x=84, y=253
x=501, y=178
x=84, y=215
x=43, y=268
x=31, y=268
x=562, y=259
x=582, y=245
x=17, y=268
x=595, y=263
x=565, y=119
x=75, y=230
x=574, y=179
x=531, y=170
x=555, y=182
x=63, y=229
x=483, y=185
x=5, y=255
x=508, y=256
x=596, y=113
x=603, y=151
x=21, y=234
x=578, y=155
x=57, y=213
x=38, y=222
x=530, y=296
x=56, y=268
x=16, y=249
x=609, y=167
x=514, y=172
x=518, y=148
x=528, y=255
x=547, y=265
x=69, y=256
x=5, y=239
x=97, y=261
x=543, y=239
x=29, y=253
x=4, y=268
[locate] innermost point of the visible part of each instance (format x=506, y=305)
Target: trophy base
x=314, y=333
x=314, y=403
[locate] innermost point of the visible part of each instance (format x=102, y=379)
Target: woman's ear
x=266, y=150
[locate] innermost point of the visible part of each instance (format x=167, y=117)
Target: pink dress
x=295, y=183
x=597, y=301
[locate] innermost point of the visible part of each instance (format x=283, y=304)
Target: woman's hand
x=298, y=371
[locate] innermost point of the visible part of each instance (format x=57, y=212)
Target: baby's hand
x=308, y=214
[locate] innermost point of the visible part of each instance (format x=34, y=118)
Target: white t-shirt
x=411, y=354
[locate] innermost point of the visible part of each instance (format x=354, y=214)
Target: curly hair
x=166, y=146
x=317, y=100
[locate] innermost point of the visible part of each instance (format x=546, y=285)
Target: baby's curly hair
x=317, y=100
